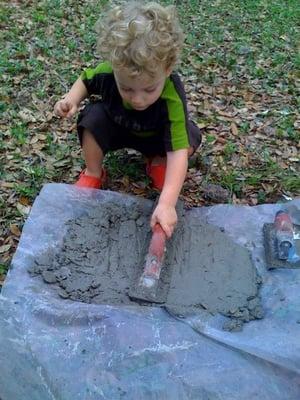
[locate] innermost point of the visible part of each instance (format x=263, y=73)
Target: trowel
x=146, y=286
x=280, y=242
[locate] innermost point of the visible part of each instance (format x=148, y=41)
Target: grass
x=3, y=269
x=236, y=48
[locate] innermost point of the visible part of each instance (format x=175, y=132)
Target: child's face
x=140, y=91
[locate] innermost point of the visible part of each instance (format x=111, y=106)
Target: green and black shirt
x=167, y=115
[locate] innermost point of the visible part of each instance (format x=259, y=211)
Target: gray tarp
x=52, y=348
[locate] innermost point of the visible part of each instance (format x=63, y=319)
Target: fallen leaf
x=24, y=201
x=24, y=210
x=27, y=115
x=15, y=230
x=34, y=140
x=227, y=114
x=7, y=184
x=294, y=159
x=139, y=192
x=221, y=140
x=4, y=248
x=234, y=129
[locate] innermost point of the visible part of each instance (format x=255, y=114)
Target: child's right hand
x=65, y=108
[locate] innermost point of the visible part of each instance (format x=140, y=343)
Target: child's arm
x=68, y=106
x=165, y=213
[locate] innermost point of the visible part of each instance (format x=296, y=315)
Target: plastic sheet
x=52, y=348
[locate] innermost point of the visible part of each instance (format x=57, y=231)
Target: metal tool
x=284, y=234
x=282, y=247
x=154, y=258
x=146, y=286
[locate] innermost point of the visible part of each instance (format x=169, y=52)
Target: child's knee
x=191, y=151
x=90, y=144
x=88, y=137
x=87, y=134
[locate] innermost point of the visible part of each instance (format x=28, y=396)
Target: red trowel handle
x=158, y=242
x=284, y=233
x=283, y=222
x=156, y=252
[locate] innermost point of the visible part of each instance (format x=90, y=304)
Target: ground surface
x=240, y=69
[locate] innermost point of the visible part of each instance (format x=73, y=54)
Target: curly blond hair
x=140, y=36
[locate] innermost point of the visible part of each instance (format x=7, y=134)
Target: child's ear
x=169, y=71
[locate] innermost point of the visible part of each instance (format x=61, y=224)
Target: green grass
x=119, y=163
x=249, y=45
x=257, y=38
x=19, y=134
x=3, y=269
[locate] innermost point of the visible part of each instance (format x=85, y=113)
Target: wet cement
x=103, y=252
x=214, y=274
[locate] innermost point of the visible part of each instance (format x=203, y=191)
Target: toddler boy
x=142, y=102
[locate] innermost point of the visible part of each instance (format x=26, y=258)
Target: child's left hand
x=166, y=216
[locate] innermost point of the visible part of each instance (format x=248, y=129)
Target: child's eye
x=149, y=90
x=125, y=89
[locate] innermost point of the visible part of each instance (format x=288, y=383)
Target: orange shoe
x=91, y=181
x=157, y=173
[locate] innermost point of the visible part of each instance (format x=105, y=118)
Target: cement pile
x=104, y=250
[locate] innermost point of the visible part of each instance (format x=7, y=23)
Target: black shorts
x=111, y=136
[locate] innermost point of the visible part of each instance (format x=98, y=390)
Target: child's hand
x=166, y=216
x=65, y=108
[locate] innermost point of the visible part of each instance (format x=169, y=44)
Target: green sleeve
x=93, y=78
x=173, y=94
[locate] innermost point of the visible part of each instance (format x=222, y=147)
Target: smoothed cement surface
x=215, y=274
x=103, y=253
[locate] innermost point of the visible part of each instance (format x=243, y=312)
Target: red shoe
x=157, y=173
x=91, y=181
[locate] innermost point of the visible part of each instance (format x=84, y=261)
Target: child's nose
x=136, y=98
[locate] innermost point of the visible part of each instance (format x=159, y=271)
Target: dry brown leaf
x=234, y=129
x=294, y=159
x=227, y=114
x=139, y=192
x=206, y=104
x=24, y=210
x=15, y=230
x=27, y=115
x=8, y=185
x=221, y=140
x=34, y=140
x=24, y=201
x=4, y=248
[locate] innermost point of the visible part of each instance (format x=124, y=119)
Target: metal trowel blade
x=146, y=287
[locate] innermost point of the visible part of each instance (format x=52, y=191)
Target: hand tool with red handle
x=281, y=242
x=154, y=258
x=146, y=286
x=284, y=235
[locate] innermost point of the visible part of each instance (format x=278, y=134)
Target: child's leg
x=156, y=169
x=191, y=151
x=154, y=148
x=93, y=155
x=97, y=135
x=158, y=160
x=94, y=175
